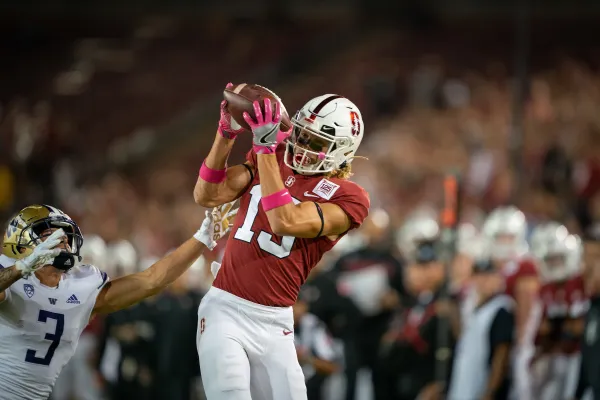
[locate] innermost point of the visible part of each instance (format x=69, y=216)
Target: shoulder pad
x=6, y=261
x=88, y=272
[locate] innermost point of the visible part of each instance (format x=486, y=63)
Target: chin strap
x=65, y=261
x=359, y=157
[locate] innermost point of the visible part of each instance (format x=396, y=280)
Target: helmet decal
x=355, y=119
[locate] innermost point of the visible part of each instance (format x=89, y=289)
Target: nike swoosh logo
x=310, y=194
x=262, y=138
x=285, y=332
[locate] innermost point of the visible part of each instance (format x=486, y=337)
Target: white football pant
x=247, y=350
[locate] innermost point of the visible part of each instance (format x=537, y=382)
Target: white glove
x=43, y=254
x=216, y=224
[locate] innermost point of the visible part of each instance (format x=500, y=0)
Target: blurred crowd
x=368, y=322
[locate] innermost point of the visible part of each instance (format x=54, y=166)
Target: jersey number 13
x=265, y=239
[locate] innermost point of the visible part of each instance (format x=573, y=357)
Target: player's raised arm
x=131, y=289
x=217, y=184
x=303, y=220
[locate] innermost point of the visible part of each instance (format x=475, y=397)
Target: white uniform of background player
x=40, y=325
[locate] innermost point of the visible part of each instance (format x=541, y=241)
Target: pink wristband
x=264, y=149
x=212, y=175
x=276, y=199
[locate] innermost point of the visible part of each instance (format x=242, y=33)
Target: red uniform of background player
x=563, y=305
x=515, y=270
x=295, y=204
x=505, y=232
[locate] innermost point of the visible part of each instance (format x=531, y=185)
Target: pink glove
x=282, y=135
x=265, y=130
x=225, y=123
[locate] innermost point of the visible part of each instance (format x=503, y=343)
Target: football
x=240, y=98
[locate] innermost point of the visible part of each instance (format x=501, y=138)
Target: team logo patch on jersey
x=29, y=290
x=52, y=301
x=290, y=181
x=73, y=300
x=326, y=189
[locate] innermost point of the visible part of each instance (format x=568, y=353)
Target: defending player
x=45, y=303
x=296, y=203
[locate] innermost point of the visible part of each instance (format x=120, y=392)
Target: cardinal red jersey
x=576, y=298
x=515, y=270
x=268, y=269
x=553, y=296
x=564, y=299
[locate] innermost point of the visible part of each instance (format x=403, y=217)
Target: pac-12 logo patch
x=326, y=189
x=29, y=290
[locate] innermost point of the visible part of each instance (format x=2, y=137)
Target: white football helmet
x=419, y=227
x=559, y=255
x=542, y=234
x=122, y=258
x=94, y=251
x=327, y=132
x=505, y=233
x=469, y=241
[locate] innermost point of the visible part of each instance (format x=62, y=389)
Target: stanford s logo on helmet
x=327, y=132
x=355, y=123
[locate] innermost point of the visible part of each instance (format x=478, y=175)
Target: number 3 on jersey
x=265, y=242
x=44, y=316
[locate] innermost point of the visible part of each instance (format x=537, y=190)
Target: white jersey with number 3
x=39, y=330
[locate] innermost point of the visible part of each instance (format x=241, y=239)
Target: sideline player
x=296, y=203
x=505, y=234
x=45, y=303
x=564, y=304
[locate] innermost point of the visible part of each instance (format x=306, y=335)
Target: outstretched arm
x=131, y=289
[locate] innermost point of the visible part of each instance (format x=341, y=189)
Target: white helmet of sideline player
x=469, y=241
x=542, y=234
x=122, y=258
x=505, y=233
x=559, y=255
x=326, y=134
x=94, y=252
x=421, y=226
